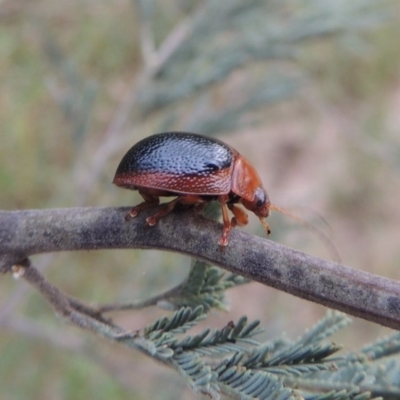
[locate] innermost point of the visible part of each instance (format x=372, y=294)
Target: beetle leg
x=227, y=223
x=240, y=217
x=152, y=220
x=189, y=200
x=192, y=199
x=149, y=200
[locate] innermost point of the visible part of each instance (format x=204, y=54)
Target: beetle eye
x=260, y=197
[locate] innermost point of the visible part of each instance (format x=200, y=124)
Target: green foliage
x=231, y=338
x=182, y=320
x=204, y=286
x=231, y=361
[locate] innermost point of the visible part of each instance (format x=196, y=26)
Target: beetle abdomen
x=178, y=162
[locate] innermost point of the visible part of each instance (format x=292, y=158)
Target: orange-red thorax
x=247, y=184
x=245, y=179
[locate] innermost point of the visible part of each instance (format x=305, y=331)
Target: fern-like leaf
x=234, y=378
x=326, y=327
x=231, y=338
x=180, y=322
x=197, y=373
x=383, y=348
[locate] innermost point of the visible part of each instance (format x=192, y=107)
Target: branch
x=25, y=233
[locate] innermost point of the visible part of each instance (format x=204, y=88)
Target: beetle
x=196, y=169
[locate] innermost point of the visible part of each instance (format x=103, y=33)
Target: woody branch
x=26, y=233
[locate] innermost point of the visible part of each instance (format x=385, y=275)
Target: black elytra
x=177, y=153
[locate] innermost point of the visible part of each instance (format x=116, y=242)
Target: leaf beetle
x=196, y=169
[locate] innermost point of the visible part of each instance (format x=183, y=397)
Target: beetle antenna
x=318, y=232
x=265, y=225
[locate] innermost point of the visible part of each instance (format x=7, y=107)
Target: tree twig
x=25, y=233
x=139, y=304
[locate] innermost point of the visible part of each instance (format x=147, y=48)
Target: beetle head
x=260, y=205
x=261, y=202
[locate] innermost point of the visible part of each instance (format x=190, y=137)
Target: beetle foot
x=151, y=221
x=223, y=242
x=131, y=214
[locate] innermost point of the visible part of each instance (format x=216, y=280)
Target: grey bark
x=30, y=232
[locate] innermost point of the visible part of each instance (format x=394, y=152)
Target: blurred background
x=309, y=91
